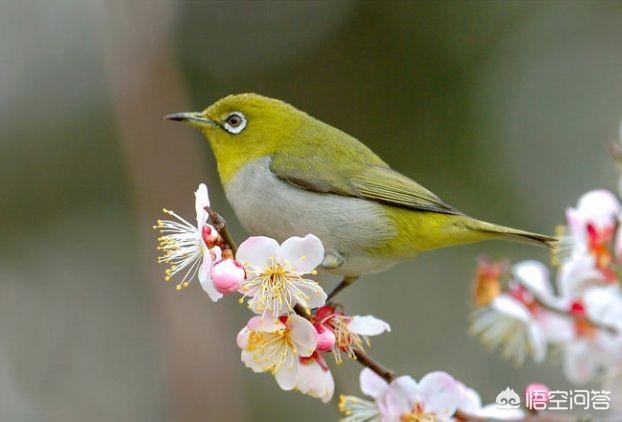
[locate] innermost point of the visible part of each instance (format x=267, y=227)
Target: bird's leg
x=347, y=280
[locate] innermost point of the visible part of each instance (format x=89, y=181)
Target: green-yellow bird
x=287, y=174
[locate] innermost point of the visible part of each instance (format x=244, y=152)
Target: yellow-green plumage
x=286, y=173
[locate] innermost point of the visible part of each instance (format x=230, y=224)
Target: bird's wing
x=375, y=182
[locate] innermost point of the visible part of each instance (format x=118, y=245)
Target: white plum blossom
x=275, y=282
x=190, y=250
x=276, y=346
x=587, y=246
x=593, y=351
x=516, y=322
x=509, y=325
x=435, y=398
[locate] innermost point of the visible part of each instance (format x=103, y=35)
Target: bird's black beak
x=195, y=118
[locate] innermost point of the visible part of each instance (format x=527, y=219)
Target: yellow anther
x=178, y=287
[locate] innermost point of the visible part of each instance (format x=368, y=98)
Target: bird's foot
x=332, y=260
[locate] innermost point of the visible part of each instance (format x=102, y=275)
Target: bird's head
x=244, y=127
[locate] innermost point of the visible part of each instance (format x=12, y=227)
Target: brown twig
x=364, y=359
x=220, y=224
x=560, y=311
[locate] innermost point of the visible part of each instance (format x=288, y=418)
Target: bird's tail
x=508, y=233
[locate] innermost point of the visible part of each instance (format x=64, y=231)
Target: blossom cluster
x=436, y=397
x=519, y=311
x=293, y=328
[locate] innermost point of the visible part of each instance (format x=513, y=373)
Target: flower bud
x=210, y=235
x=227, y=275
x=325, y=339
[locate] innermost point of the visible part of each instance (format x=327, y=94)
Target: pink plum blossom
x=275, y=282
x=436, y=397
x=276, y=346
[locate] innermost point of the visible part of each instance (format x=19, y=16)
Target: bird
x=286, y=173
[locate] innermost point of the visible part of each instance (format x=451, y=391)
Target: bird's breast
x=266, y=205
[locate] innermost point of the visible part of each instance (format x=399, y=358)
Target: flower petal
x=257, y=252
x=255, y=362
x=372, y=384
x=399, y=398
x=264, y=324
x=439, y=394
x=537, y=342
x=302, y=334
x=303, y=254
x=534, y=275
x=206, y=281
x=201, y=200
x=509, y=306
x=315, y=381
x=286, y=375
x=577, y=274
x=580, y=362
x=599, y=207
x=604, y=304
x=556, y=328
x=492, y=411
x=368, y=325
x=470, y=400
x=316, y=296
x=242, y=338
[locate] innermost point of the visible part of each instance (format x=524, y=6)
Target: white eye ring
x=235, y=122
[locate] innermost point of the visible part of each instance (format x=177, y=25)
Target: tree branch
x=362, y=357
x=560, y=311
x=220, y=224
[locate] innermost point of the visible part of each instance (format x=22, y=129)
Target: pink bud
x=209, y=235
x=227, y=275
x=325, y=339
x=536, y=396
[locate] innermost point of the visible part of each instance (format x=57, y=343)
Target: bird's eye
x=235, y=122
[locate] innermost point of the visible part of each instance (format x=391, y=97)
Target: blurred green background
x=502, y=108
